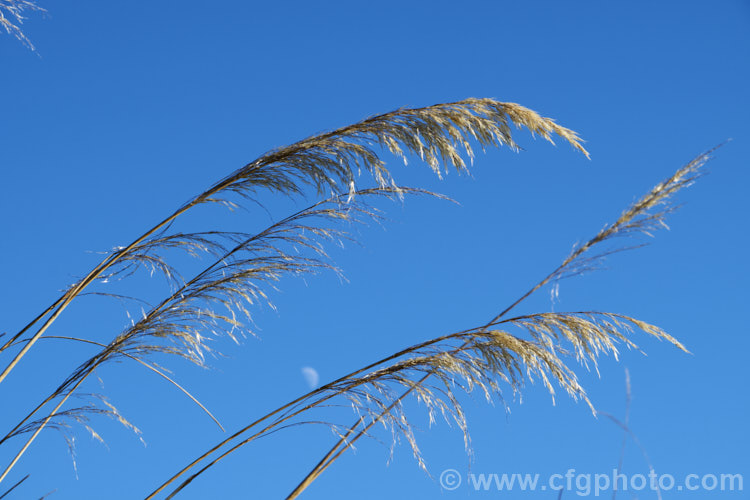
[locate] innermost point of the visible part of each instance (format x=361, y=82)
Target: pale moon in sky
x=311, y=376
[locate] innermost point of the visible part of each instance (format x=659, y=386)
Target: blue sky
x=130, y=109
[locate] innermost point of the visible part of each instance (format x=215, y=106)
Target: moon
x=311, y=376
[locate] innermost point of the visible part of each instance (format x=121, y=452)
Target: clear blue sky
x=132, y=108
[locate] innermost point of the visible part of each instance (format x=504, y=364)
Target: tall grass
x=344, y=169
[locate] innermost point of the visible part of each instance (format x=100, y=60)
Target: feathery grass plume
x=332, y=161
x=481, y=358
x=12, y=15
x=63, y=421
x=214, y=300
x=151, y=366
